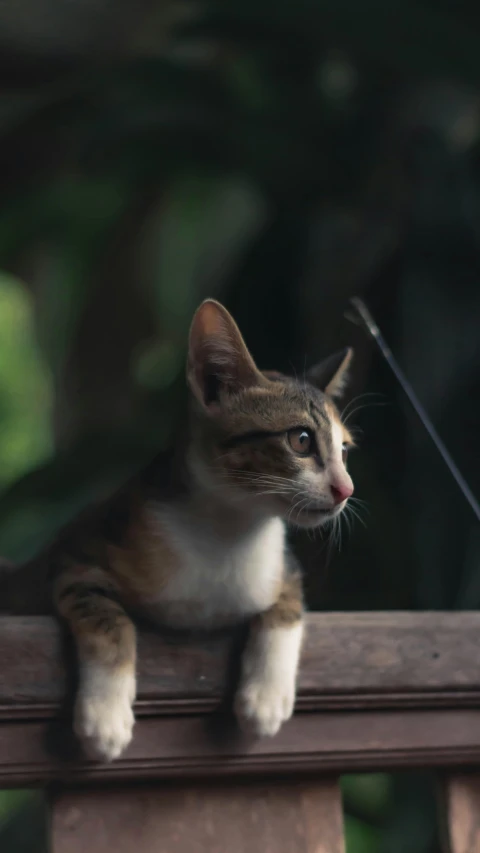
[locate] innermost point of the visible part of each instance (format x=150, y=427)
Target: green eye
x=301, y=441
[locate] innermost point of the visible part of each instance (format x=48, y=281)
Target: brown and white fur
x=198, y=540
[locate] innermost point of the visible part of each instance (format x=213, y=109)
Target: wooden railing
x=375, y=691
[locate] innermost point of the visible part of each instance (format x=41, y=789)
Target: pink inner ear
x=211, y=339
x=211, y=322
x=217, y=352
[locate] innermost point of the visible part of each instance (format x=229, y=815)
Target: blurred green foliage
x=283, y=157
x=25, y=390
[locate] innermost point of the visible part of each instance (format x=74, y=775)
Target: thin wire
x=372, y=329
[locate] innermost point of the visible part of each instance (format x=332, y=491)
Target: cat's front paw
x=104, y=719
x=262, y=706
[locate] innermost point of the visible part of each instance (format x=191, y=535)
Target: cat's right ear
x=331, y=375
x=218, y=359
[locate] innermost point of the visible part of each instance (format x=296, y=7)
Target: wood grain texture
x=186, y=747
x=349, y=661
x=296, y=817
x=461, y=803
x=375, y=691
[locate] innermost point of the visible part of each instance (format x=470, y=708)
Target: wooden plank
x=296, y=817
x=407, y=686
x=169, y=747
x=349, y=661
x=461, y=803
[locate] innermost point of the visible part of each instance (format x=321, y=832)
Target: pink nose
x=341, y=491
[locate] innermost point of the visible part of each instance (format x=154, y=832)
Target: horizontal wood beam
x=350, y=660
x=375, y=690
x=172, y=747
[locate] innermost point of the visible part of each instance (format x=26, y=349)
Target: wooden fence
x=376, y=691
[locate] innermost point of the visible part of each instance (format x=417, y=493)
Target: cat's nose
x=341, y=491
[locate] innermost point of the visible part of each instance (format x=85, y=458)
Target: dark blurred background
x=282, y=157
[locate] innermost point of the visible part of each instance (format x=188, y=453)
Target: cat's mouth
x=312, y=516
x=319, y=513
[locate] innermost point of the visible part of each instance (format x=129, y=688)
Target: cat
x=198, y=539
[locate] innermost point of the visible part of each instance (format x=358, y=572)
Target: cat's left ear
x=331, y=375
x=218, y=359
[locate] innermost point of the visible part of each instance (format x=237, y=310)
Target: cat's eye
x=301, y=441
x=345, y=450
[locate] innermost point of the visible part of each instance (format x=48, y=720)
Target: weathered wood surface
x=375, y=691
x=461, y=803
x=350, y=660
x=168, y=747
x=295, y=817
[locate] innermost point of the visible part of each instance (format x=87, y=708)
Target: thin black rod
x=371, y=327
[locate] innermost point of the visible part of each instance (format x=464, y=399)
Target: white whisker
x=356, y=515
x=360, y=409
x=356, y=400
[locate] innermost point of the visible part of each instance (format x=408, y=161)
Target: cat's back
x=87, y=539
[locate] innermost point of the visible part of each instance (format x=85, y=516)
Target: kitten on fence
x=197, y=541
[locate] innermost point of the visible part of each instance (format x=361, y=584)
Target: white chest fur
x=224, y=575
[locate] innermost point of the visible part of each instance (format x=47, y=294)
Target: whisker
x=348, y=522
x=332, y=531
x=359, y=504
x=356, y=432
x=338, y=528
x=252, y=475
x=268, y=492
x=356, y=515
x=261, y=480
x=300, y=503
x=361, y=408
x=360, y=397
x=294, y=371
x=278, y=487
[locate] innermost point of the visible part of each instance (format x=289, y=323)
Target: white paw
x=104, y=719
x=262, y=706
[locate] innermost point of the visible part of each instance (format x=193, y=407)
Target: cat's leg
x=266, y=694
x=106, y=647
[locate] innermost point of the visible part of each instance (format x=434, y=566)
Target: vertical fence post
x=247, y=816
x=461, y=813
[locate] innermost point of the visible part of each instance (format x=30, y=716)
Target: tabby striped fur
x=197, y=541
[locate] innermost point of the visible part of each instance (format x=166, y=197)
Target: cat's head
x=269, y=442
